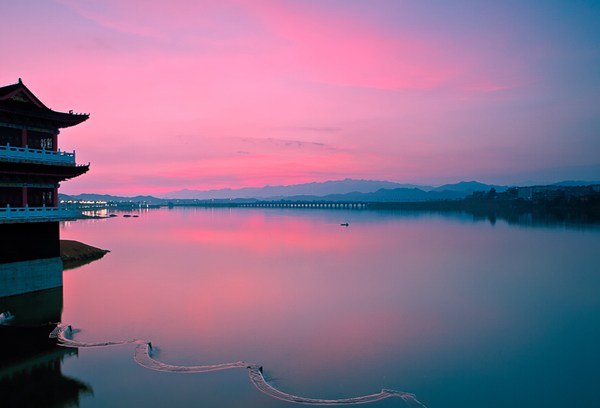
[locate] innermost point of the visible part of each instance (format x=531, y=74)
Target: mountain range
x=339, y=190
x=313, y=189
x=321, y=189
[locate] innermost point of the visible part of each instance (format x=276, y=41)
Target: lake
x=459, y=312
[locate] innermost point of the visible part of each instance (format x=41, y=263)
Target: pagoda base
x=29, y=241
x=18, y=278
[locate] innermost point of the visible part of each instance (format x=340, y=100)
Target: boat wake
x=5, y=317
x=63, y=334
x=143, y=356
x=143, y=352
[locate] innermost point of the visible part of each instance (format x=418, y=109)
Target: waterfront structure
x=557, y=192
x=31, y=168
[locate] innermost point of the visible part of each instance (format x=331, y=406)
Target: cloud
x=295, y=90
x=105, y=15
x=320, y=129
x=285, y=143
x=487, y=87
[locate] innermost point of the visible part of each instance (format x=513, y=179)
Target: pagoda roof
x=18, y=100
x=26, y=172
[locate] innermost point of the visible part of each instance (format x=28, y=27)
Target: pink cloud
x=233, y=93
x=106, y=14
x=351, y=51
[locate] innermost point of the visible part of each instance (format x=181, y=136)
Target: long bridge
x=301, y=204
x=353, y=205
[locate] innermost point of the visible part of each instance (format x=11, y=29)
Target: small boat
x=344, y=224
x=126, y=215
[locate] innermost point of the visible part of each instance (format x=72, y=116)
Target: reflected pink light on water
x=226, y=273
x=333, y=311
x=189, y=277
x=261, y=240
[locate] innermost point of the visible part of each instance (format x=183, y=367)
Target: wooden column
x=55, y=141
x=24, y=138
x=55, y=197
x=24, y=196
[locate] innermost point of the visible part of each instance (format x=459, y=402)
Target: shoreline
x=75, y=253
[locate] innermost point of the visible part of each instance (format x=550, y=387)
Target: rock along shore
x=74, y=253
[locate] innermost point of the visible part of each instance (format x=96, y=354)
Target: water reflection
x=552, y=219
x=444, y=307
x=31, y=363
x=540, y=218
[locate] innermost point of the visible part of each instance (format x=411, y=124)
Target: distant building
x=525, y=193
x=31, y=168
x=553, y=192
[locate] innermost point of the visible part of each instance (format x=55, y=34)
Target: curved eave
x=60, y=119
x=52, y=171
x=32, y=107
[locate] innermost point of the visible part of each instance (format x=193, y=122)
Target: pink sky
x=212, y=94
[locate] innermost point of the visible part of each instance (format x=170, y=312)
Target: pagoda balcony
x=26, y=154
x=10, y=214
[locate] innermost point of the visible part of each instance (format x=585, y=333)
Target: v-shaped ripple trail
x=143, y=356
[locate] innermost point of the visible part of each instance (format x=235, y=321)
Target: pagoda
x=31, y=168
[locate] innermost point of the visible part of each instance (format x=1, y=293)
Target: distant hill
x=469, y=186
x=312, y=189
x=449, y=192
x=396, y=194
x=340, y=190
x=107, y=197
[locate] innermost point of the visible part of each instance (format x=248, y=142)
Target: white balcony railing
x=8, y=152
x=10, y=214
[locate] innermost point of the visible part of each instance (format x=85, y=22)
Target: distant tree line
x=542, y=205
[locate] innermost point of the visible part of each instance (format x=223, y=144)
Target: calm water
x=460, y=313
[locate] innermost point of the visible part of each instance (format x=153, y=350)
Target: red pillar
x=55, y=197
x=24, y=197
x=24, y=138
x=55, y=142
